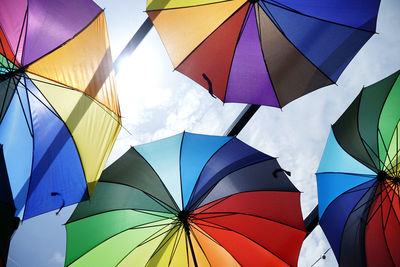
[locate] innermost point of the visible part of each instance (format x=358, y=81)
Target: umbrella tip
x=183, y=217
x=382, y=176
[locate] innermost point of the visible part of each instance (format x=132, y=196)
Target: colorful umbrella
x=263, y=51
x=189, y=200
x=359, y=178
x=59, y=113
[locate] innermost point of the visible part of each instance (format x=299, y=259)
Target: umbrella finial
x=183, y=216
x=382, y=176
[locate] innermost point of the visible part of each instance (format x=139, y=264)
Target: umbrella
x=59, y=113
x=8, y=222
x=189, y=200
x=263, y=52
x=359, y=177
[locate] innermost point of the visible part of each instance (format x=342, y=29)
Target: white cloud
x=58, y=258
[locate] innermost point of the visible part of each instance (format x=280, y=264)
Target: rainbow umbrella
x=59, y=113
x=189, y=200
x=263, y=52
x=359, y=179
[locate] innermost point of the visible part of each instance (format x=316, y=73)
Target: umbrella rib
x=374, y=188
x=111, y=210
x=162, y=244
x=397, y=148
x=349, y=173
x=231, y=230
x=184, y=7
x=201, y=231
x=37, y=98
x=390, y=207
x=63, y=44
x=194, y=49
x=30, y=125
x=225, y=214
x=175, y=246
x=346, y=192
x=4, y=66
x=161, y=181
x=316, y=18
x=237, y=42
x=149, y=213
x=4, y=102
x=380, y=113
x=64, y=86
x=155, y=199
x=23, y=111
x=8, y=66
x=201, y=248
x=394, y=211
x=187, y=251
x=300, y=52
x=379, y=194
x=386, y=149
x=354, y=191
x=20, y=35
x=201, y=172
x=150, y=238
x=262, y=50
x=273, y=19
x=218, y=201
x=364, y=142
x=205, y=194
x=101, y=242
x=393, y=170
x=371, y=149
x=369, y=201
x=383, y=232
x=180, y=169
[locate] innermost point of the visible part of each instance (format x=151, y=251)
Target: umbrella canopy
x=359, y=178
x=59, y=114
x=263, y=51
x=189, y=200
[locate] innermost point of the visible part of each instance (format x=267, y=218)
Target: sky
x=157, y=102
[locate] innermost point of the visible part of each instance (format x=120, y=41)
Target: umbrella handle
x=63, y=202
x=275, y=173
x=210, y=89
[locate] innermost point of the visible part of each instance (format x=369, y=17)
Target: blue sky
x=157, y=102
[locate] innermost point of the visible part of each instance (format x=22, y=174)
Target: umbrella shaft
x=190, y=244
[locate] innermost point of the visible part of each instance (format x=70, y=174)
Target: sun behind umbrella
x=189, y=200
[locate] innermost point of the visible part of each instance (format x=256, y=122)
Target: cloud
x=58, y=258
